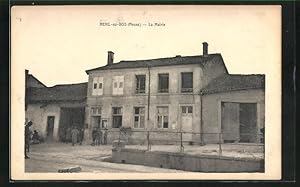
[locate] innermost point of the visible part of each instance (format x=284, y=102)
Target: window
x=104, y=124
x=187, y=109
x=117, y=117
x=96, y=111
x=118, y=82
x=97, y=90
x=163, y=83
x=162, y=117
x=139, y=117
x=140, y=83
x=187, y=82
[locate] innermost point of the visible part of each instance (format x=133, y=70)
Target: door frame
x=47, y=127
x=258, y=105
x=192, y=115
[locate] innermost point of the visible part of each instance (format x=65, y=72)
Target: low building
x=234, y=105
x=53, y=109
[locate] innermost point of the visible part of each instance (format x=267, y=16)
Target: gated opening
x=70, y=117
x=239, y=122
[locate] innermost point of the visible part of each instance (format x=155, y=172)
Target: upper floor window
x=97, y=86
x=163, y=83
x=187, y=82
x=163, y=117
x=139, y=117
x=140, y=83
x=118, y=85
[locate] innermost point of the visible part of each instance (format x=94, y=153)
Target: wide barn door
x=230, y=122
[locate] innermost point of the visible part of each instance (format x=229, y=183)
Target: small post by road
x=148, y=141
x=220, y=144
x=181, y=144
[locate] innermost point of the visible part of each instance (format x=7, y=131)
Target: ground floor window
x=96, y=121
x=139, y=117
x=96, y=116
x=163, y=117
x=117, y=117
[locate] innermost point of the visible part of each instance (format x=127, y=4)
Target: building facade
x=54, y=109
x=191, y=94
x=160, y=95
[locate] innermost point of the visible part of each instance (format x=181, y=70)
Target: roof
x=33, y=78
x=170, y=61
x=58, y=93
x=230, y=82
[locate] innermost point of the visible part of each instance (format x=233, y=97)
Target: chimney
x=110, y=58
x=26, y=77
x=205, y=48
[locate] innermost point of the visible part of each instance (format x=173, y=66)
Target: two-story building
x=157, y=94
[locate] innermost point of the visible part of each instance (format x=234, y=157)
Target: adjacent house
x=181, y=93
x=53, y=109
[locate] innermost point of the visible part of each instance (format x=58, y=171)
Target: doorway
x=239, y=122
x=69, y=117
x=248, y=122
x=187, y=123
x=50, y=128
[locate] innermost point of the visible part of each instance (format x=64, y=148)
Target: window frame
x=118, y=86
x=96, y=89
x=117, y=115
x=138, y=89
x=163, y=90
x=186, y=111
x=163, y=116
x=187, y=89
x=97, y=108
x=139, y=115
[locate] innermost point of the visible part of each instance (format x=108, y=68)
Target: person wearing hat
x=27, y=138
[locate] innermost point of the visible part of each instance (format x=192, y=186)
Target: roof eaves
x=205, y=92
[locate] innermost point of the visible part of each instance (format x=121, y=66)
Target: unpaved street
x=52, y=157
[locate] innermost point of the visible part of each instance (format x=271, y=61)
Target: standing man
x=105, y=137
x=99, y=136
x=81, y=132
x=27, y=138
x=94, y=136
x=74, y=134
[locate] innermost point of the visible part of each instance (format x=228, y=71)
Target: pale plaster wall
x=211, y=120
x=38, y=113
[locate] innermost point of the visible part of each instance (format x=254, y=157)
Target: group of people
x=75, y=135
x=99, y=136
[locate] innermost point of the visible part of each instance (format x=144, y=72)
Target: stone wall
x=187, y=162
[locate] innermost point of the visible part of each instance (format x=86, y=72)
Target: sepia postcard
x=147, y=92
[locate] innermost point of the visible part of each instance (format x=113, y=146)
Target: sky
x=58, y=43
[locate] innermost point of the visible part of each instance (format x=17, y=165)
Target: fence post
x=119, y=135
x=148, y=140
x=220, y=146
x=181, y=145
